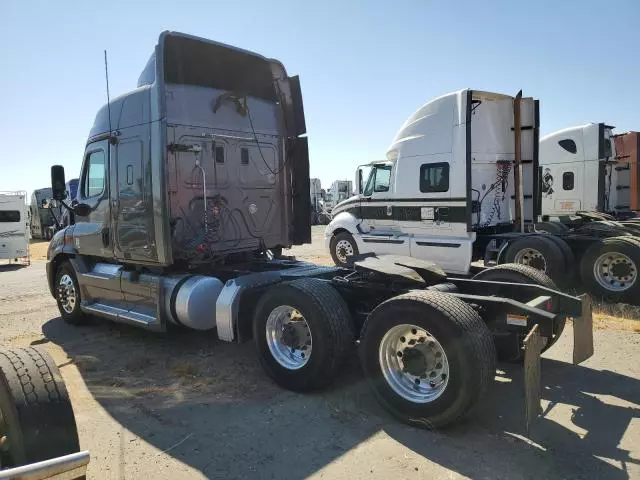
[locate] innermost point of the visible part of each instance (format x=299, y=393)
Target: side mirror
x=81, y=209
x=57, y=182
x=359, y=181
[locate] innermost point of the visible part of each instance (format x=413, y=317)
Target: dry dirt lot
x=183, y=405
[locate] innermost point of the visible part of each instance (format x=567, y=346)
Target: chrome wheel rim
x=67, y=293
x=289, y=337
x=615, y=271
x=344, y=249
x=532, y=258
x=413, y=363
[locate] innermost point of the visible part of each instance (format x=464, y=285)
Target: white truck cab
x=580, y=172
x=447, y=176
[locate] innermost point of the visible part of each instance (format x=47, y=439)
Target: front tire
x=343, y=246
x=67, y=293
x=303, y=331
x=428, y=356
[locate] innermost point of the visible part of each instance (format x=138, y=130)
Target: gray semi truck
x=193, y=183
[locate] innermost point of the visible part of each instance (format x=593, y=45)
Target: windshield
x=379, y=180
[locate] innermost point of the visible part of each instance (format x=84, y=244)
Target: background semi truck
x=461, y=186
x=41, y=217
x=14, y=226
x=582, y=170
x=185, y=201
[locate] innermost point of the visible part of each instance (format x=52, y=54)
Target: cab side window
x=379, y=180
x=434, y=177
x=94, y=174
x=383, y=178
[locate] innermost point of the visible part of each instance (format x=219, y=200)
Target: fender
x=344, y=220
x=61, y=246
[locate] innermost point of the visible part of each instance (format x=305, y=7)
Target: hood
x=345, y=204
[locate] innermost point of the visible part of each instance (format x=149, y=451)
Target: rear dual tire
x=444, y=336
x=449, y=335
x=544, y=252
x=609, y=268
x=303, y=331
x=517, y=273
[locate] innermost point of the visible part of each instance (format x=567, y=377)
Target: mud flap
x=583, y=332
x=533, y=345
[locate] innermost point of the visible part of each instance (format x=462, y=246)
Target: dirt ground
x=184, y=405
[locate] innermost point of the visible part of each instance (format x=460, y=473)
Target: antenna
x=106, y=75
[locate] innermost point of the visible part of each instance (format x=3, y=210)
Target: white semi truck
x=460, y=184
x=187, y=197
x=14, y=226
x=581, y=173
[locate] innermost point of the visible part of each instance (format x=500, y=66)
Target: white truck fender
x=343, y=221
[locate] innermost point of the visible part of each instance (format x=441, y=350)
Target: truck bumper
x=533, y=345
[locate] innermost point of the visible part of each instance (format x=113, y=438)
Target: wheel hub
x=419, y=360
x=621, y=269
x=293, y=333
x=532, y=258
x=288, y=337
x=414, y=363
x=67, y=293
x=615, y=271
x=344, y=249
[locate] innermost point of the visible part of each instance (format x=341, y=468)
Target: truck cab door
x=379, y=210
x=132, y=216
x=91, y=234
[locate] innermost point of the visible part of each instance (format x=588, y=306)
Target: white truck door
x=380, y=211
x=439, y=221
x=563, y=187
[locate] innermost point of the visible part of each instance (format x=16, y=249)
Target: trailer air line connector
x=204, y=190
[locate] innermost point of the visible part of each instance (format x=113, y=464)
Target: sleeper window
x=569, y=145
x=434, y=177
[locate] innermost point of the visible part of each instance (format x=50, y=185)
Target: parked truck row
x=187, y=197
x=451, y=200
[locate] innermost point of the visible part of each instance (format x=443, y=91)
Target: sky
x=364, y=66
